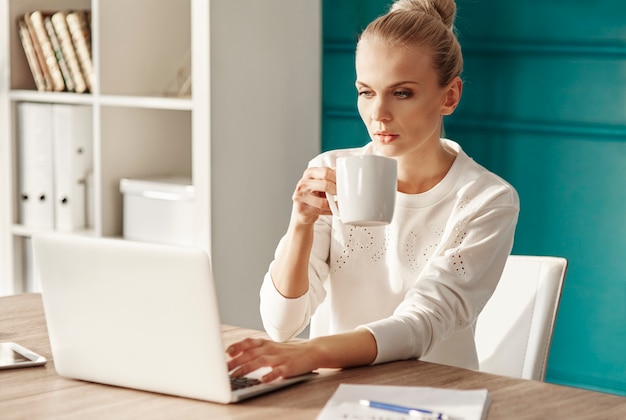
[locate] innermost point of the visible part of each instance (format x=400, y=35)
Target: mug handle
x=332, y=204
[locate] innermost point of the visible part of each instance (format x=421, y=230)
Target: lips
x=385, y=137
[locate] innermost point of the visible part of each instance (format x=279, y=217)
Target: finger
x=312, y=203
x=238, y=367
x=276, y=373
x=321, y=179
x=241, y=365
x=241, y=371
x=314, y=187
x=243, y=346
x=313, y=195
x=320, y=172
x=249, y=355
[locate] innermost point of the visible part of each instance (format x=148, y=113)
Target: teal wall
x=544, y=106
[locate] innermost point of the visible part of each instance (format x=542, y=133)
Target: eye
x=403, y=94
x=365, y=93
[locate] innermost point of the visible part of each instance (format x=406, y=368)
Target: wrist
x=300, y=232
x=321, y=354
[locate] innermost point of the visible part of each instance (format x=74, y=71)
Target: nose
x=380, y=110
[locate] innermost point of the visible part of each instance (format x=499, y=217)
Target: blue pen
x=411, y=411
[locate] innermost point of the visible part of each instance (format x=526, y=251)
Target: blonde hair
x=422, y=23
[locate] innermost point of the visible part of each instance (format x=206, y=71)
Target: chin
x=386, y=149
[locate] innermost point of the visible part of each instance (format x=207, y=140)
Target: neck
x=420, y=174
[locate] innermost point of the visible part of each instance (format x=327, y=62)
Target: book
x=39, y=53
x=31, y=56
x=79, y=28
x=345, y=403
x=67, y=48
x=36, y=22
x=56, y=47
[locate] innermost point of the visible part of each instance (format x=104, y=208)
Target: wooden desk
x=39, y=393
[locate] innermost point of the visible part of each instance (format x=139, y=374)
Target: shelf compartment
x=140, y=44
x=142, y=142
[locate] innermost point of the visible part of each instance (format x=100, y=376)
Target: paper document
x=456, y=404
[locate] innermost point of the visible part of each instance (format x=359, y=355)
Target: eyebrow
x=406, y=82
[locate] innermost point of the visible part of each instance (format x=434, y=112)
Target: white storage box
x=158, y=209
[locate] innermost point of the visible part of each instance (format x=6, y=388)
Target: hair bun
x=444, y=10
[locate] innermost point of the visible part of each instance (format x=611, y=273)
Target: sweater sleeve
x=284, y=318
x=455, y=284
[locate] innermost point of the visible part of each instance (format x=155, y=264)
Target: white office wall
x=268, y=78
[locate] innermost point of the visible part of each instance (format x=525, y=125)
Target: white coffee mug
x=366, y=190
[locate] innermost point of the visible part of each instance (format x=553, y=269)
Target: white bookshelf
x=244, y=136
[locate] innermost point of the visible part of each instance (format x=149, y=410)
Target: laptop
x=137, y=315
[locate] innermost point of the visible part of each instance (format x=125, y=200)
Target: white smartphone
x=12, y=356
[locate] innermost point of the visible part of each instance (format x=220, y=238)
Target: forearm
x=356, y=348
x=290, y=269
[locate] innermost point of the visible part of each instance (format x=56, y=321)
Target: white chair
x=514, y=330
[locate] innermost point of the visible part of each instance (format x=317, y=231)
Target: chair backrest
x=514, y=330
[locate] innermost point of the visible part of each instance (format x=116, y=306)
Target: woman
x=414, y=288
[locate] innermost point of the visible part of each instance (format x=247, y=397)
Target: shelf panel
x=130, y=101
x=153, y=102
x=51, y=97
x=26, y=231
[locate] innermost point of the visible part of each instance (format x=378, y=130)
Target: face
x=400, y=100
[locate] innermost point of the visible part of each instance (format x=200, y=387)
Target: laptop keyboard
x=240, y=383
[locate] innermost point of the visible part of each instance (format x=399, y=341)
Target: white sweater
x=417, y=284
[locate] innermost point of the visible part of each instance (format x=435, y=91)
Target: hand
x=285, y=359
x=309, y=198
x=355, y=348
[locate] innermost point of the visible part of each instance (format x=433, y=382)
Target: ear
x=452, y=96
